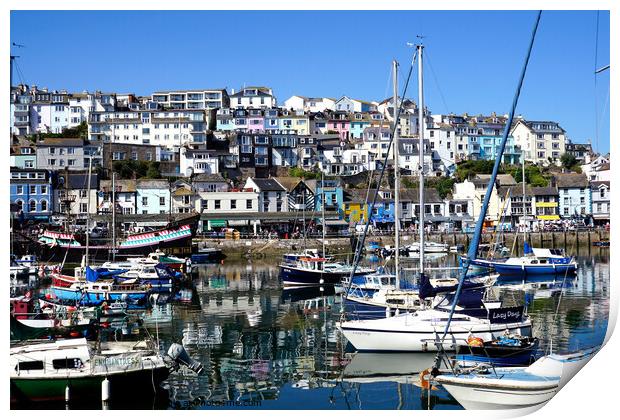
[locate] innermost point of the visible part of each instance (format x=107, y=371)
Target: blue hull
x=213, y=257
x=365, y=310
x=293, y=275
x=92, y=298
x=512, y=269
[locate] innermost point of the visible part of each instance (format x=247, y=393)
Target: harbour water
x=267, y=347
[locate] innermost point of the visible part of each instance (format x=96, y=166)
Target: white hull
x=419, y=331
x=474, y=398
x=526, y=388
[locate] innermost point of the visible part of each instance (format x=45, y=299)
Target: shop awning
x=548, y=217
x=336, y=223
x=217, y=223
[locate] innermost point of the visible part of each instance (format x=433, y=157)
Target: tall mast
x=113, y=219
x=523, y=199
x=90, y=169
x=396, y=174
x=323, y=212
x=421, y=153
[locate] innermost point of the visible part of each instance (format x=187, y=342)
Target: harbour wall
x=574, y=242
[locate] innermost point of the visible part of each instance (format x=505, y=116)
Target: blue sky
x=474, y=57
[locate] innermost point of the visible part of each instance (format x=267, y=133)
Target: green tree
x=568, y=161
x=153, y=170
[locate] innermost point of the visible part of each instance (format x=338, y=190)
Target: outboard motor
x=178, y=354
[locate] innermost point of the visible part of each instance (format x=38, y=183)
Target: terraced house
x=31, y=192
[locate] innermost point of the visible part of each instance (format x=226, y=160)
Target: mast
x=523, y=199
x=113, y=219
x=90, y=169
x=473, y=246
x=420, y=48
x=396, y=175
x=323, y=213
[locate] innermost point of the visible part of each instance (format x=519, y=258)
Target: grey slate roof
x=80, y=181
x=571, y=180
x=208, y=178
x=268, y=184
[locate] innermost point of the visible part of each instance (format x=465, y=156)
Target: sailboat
x=378, y=295
x=422, y=330
x=315, y=269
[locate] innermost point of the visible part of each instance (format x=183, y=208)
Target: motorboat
x=484, y=387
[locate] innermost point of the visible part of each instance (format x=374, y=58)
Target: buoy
x=387, y=312
x=321, y=281
x=321, y=289
x=105, y=390
x=74, y=334
x=67, y=393
x=475, y=341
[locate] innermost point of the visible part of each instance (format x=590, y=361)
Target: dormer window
x=250, y=92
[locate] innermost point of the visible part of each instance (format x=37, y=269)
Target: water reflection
x=260, y=342
x=282, y=348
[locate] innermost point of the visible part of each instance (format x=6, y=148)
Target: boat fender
x=473, y=341
x=105, y=390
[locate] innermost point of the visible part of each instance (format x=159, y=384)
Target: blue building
x=332, y=190
x=575, y=195
x=383, y=210
x=31, y=193
x=489, y=149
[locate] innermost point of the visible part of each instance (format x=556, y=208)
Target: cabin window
x=67, y=363
x=30, y=365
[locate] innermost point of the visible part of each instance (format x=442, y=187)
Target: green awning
x=217, y=223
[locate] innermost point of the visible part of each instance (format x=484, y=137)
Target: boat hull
x=96, y=298
x=502, y=397
x=299, y=276
x=53, y=389
x=422, y=338
x=209, y=257
x=507, y=269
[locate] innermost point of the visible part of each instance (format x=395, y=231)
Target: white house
x=253, y=97
x=271, y=194
x=197, y=161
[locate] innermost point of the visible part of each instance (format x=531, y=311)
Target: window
x=43, y=189
x=233, y=204
x=30, y=365
x=149, y=156
x=83, y=208
x=602, y=192
x=218, y=204
x=19, y=189
x=71, y=162
x=248, y=204
x=145, y=201
x=82, y=193
x=134, y=155
x=66, y=363
x=32, y=189
x=162, y=201
x=599, y=207
x=44, y=205
x=52, y=150
x=32, y=206
x=70, y=150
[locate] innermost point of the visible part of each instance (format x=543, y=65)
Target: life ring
x=425, y=379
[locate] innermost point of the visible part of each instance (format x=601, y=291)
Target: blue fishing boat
x=95, y=293
x=536, y=261
x=506, y=350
